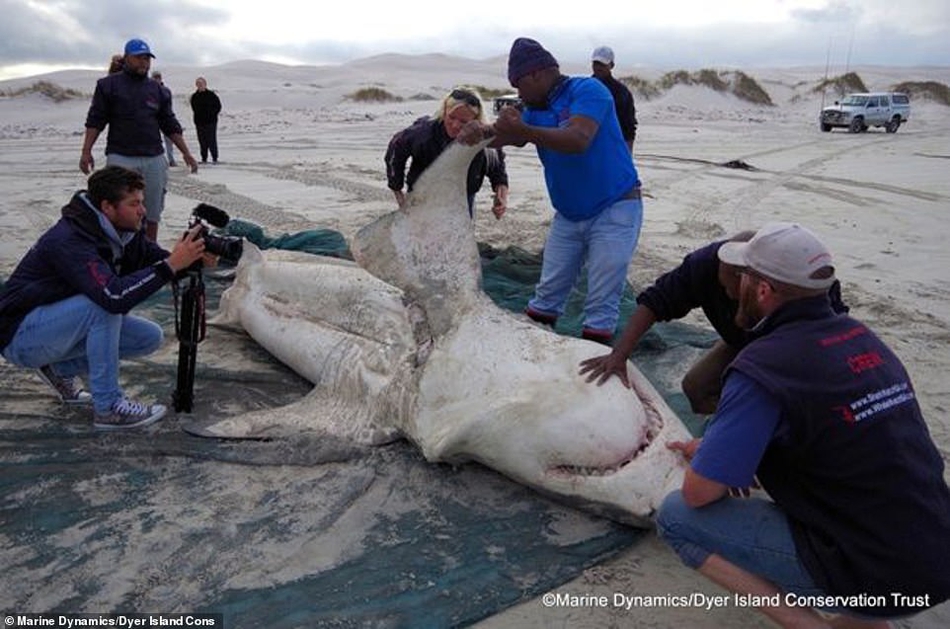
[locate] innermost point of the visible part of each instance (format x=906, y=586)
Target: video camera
x=508, y=100
x=228, y=248
x=191, y=327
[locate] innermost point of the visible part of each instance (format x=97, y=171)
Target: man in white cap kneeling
x=822, y=415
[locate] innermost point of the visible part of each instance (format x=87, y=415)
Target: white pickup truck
x=857, y=112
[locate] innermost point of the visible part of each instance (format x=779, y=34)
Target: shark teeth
x=607, y=470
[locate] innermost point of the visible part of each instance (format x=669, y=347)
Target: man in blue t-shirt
x=592, y=182
x=822, y=415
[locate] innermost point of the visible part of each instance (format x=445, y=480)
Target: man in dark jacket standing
x=206, y=106
x=65, y=309
x=602, y=63
x=137, y=112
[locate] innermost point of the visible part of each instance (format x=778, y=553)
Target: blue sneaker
x=69, y=390
x=128, y=414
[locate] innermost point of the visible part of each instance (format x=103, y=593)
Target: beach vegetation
x=711, y=79
x=748, y=89
x=488, y=93
x=739, y=84
x=847, y=83
x=374, y=94
x=641, y=87
x=54, y=92
x=930, y=90
x=677, y=77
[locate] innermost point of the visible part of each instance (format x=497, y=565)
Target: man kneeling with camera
x=65, y=309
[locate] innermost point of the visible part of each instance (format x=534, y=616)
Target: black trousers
x=208, y=140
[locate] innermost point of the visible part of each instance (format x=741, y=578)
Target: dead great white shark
x=404, y=343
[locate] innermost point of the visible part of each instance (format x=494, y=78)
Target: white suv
x=857, y=112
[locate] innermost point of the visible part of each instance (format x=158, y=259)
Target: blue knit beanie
x=527, y=56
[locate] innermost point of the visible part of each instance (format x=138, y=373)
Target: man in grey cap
x=822, y=415
x=602, y=64
x=138, y=112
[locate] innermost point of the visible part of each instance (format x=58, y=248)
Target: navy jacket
x=695, y=284
x=854, y=467
x=424, y=141
x=623, y=103
x=75, y=256
x=137, y=111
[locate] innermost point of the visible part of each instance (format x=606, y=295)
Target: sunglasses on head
x=466, y=97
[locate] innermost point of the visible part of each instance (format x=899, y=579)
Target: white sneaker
x=128, y=414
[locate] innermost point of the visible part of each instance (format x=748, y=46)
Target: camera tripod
x=190, y=331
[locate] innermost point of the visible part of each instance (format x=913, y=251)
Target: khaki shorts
x=155, y=171
x=702, y=384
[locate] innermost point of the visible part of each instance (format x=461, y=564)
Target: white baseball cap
x=786, y=252
x=603, y=54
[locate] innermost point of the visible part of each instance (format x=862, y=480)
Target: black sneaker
x=128, y=414
x=604, y=337
x=540, y=317
x=69, y=390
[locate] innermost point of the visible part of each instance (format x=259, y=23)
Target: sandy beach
x=299, y=152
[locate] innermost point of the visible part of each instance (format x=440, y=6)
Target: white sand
x=297, y=154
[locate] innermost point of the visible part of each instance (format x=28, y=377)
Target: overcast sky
x=40, y=35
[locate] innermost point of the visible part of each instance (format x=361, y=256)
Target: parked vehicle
x=857, y=112
x=508, y=100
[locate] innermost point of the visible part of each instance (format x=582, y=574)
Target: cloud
x=81, y=32
x=191, y=32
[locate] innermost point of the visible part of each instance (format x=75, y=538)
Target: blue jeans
x=169, y=150
x=75, y=337
x=748, y=532
x=606, y=243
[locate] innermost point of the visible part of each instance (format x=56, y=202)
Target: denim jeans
x=606, y=243
x=155, y=172
x=751, y=533
x=75, y=337
x=169, y=150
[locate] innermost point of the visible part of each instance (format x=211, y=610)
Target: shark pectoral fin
x=315, y=413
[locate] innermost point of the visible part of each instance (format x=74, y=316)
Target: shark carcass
x=404, y=343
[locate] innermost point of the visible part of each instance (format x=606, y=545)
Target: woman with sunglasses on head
x=425, y=139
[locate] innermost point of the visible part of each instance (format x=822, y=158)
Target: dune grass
x=54, y=92
x=374, y=94
x=842, y=85
x=737, y=83
x=930, y=90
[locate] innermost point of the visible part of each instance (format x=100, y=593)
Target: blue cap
x=136, y=47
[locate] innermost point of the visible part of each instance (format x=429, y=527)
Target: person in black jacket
x=423, y=141
x=65, y=309
x=138, y=113
x=602, y=63
x=704, y=281
x=206, y=106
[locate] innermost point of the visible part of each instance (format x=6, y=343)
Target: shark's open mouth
x=654, y=423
